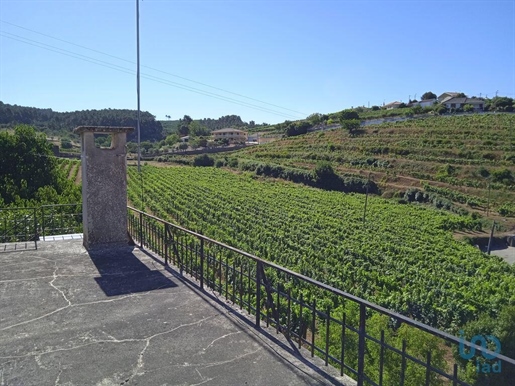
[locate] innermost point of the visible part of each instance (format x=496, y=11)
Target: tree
x=314, y=119
x=468, y=108
x=26, y=164
x=297, y=128
x=197, y=130
x=348, y=114
x=428, y=95
x=172, y=139
x=351, y=124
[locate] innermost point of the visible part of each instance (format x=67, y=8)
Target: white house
x=447, y=95
x=392, y=105
x=427, y=103
x=233, y=135
x=456, y=103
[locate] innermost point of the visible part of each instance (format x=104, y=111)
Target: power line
x=155, y=69
x=116, y=67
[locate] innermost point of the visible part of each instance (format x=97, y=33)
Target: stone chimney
x=104, y=187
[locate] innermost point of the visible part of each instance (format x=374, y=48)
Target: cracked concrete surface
x=69, y=317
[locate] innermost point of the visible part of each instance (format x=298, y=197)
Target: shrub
x=203, y=160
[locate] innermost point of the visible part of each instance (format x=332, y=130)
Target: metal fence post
x=141, y=230
x=43, y=221
x=258, y=293
x=201, y=263
x=35, y=229
x=166, y=243
x=361, y=343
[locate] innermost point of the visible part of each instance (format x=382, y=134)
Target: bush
x=203, y=160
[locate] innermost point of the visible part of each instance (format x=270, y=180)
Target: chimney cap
x=103, y=129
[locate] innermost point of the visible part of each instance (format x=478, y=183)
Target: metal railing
x=18, y=224
x=340, y=328
x=29, y=224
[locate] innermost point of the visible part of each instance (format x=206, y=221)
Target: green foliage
x=172, y=139
x=402, y=257
x=66, y=144
x=203, y=160
x=507, y=210
x=428, y=95
x=503, y=176
x=350, y=124
x=503, y=328
x=297, y=128
x=468, y=108
x=348, y=115
x=63, y=123
x=30, y=175
x=26, y=164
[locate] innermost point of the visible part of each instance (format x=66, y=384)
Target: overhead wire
x=157, y=79
x=152, y=68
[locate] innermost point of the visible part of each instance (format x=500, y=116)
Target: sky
x=265, y=60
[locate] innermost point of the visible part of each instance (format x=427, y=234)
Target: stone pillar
x=104, y=187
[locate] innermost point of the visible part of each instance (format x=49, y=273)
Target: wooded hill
x=61, y=124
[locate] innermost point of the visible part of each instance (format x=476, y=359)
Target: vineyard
x=403, y=257
x=473, y=155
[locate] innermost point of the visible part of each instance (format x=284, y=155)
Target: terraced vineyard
x=403, y=256
x=465, y=154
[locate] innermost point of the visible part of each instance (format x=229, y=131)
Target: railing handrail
x=336, y=291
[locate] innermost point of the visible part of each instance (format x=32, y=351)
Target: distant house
x=185, y=139
x=233, y=135
x=447, y=95
x=392, y=105
x=457, y=103
x=426, y=103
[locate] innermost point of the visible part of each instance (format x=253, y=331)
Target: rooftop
x=120, y=317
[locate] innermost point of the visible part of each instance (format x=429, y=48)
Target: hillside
x=403, y=256
x=54, y=123
x=467, y=159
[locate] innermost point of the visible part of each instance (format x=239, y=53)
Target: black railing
x=29, y=224
x=18, y=225
x=360, y=338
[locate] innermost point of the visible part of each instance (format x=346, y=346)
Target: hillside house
x=456, y=103
x=446, y=96
x=392, y=105
x=426, y=103
x=233, y=135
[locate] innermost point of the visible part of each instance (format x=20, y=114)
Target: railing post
x=361, y=343
x=43, y=221
x=258, y=293
x=141, y=230
x=35, y=229
x=201, y=263
x=166, y=243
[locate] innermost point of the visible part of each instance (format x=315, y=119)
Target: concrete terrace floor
x=69, y=317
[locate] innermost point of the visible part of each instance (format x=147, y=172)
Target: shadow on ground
x=122, y=273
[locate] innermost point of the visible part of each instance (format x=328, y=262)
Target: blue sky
x=266, y=61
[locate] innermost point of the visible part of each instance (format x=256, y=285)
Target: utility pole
x=489, y=248
x=138, y=86
x=366, y=199
x=488, y=201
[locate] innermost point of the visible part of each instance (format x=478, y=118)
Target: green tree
x=26, y=164
x=197, y=130
x=428, y=95
x=347, y=115
x=351, y=125
x=172, y=139
x=503, y=328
